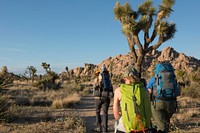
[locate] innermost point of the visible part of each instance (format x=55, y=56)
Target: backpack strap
x=134, y=104
x=134, y=99
x=135, y=86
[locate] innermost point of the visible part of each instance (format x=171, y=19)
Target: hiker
x=103, y=91
x=163, y=89
x=131, y=107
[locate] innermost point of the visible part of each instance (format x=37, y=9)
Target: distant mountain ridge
x=118, y=63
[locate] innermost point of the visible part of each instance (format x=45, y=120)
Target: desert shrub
x=72, y=88
x=85, y=79
x=40, y=102
x=195, y=76
x=69, y=101
x=186, y=119
x=57, y=104
x=67, y=96
x=37, y=97
x=48, y=81
x=5, y=80
x=5, y=104
x=69, y=124
x=192, y=90
x=31, y=114
x=76, y=124
x=31, y=96
x=22, y=101
x=182, y=76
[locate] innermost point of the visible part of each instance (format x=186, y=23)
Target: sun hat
x=131, y=71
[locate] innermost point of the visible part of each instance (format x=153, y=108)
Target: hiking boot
x=105, y=131
x=97, y=129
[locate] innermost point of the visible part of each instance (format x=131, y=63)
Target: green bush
x=48, y=81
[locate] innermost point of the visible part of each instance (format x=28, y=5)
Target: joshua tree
x=145, y=22
x=67, y=72
x=46, y=66
x=66, y=68
x=32, y=72
x=5, y=77
x=4, y=70
x=48, y=80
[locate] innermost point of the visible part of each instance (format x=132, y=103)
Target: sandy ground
x=87, y=112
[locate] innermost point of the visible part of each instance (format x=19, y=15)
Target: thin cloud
x=12, y=50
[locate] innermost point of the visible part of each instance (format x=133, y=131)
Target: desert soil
x=34, y=122
x=87, y=112
x=185, y=124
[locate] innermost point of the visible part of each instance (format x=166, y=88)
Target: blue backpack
x=105, y=81
x=166, y=87
x=106, y=89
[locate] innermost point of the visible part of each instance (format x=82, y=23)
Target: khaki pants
x=162, y=111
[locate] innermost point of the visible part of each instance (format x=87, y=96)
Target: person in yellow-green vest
x=131, y=107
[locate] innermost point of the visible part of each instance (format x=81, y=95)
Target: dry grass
x=43, y=111
x=187, y=119
x=31, y=114
x=71, y=100
x=66, y=102
x=5, y=105
x=25, y=95
x=186, y=115
x=192, y=90
x=70, y=124
x=42, y=117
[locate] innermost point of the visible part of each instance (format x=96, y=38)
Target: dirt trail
x=87, y=112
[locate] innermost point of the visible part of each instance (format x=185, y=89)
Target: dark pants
x=104, y=104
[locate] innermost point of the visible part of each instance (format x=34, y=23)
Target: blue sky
x=74, y=32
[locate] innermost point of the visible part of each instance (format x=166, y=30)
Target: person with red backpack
x=103, y=91
x=164, y=89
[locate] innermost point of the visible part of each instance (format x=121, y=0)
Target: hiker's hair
x=132, y=78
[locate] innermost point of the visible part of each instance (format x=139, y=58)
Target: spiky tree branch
x=134, y=22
